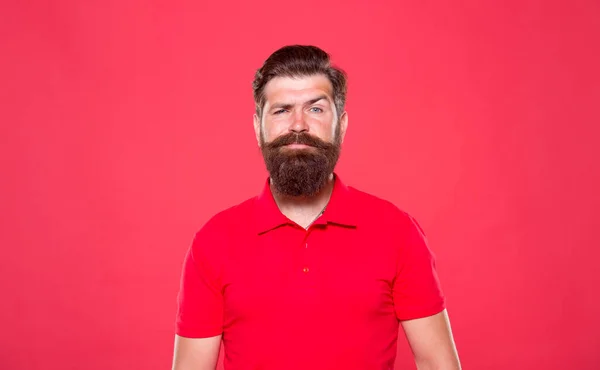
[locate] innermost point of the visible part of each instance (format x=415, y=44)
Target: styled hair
x=299, y=61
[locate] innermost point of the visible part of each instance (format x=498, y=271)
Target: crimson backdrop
x=127, y=124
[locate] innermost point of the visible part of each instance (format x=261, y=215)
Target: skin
x=292, y=106
x=196, y=353
x=430, y=339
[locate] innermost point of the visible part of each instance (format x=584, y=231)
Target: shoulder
x=218, y=230
x=393, y=224
x=228, y=218
x=379, y=209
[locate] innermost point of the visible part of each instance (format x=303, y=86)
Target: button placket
x=308, y=268
x=305, y=255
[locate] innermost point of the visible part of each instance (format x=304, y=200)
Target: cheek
x=269, y=131
x=274, y=127
x=326, y=130
x=325, y=126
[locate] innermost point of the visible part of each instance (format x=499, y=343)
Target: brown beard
x=300, y=172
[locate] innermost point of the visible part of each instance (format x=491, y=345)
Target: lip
x=297, y=146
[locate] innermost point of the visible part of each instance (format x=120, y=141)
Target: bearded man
x=311, y=273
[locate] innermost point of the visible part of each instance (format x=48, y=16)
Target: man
x=311, y=273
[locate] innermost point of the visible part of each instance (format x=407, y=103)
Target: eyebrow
x=288, y=106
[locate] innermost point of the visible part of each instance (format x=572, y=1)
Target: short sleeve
x=416, y=289
x=200, y=299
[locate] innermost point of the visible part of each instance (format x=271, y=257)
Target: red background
x=127, y=124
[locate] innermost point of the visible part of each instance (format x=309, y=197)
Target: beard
x=304, y=171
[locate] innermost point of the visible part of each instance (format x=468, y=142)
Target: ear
x=257, y=128
x=343, y=125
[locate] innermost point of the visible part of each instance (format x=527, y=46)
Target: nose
x=299, y=123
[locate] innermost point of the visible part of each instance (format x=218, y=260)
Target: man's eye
x=279, y=111
x=316, y=109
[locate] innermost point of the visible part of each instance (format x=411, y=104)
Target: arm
x=196, y=353
x=199, y=320
x=430, y=339
x=420, y=303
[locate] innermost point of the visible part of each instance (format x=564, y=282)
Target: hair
x=299, y=61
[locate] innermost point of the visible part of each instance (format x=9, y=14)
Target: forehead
x=297, y=88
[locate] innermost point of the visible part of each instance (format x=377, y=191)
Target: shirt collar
x=339, y=210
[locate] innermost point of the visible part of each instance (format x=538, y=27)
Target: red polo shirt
x=329, y=297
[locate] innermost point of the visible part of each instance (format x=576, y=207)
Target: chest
x=326, y=272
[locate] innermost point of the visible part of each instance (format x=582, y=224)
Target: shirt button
x=305, y=270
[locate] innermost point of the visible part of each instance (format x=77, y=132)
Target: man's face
x=300, y=133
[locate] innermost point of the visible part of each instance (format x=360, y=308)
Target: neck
x=304, y=209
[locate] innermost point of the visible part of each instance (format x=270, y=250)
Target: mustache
x=301, y=138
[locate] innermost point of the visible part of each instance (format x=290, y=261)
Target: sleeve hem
x=198, y=332
x=419, y=314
